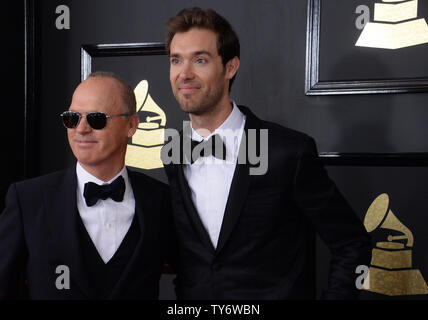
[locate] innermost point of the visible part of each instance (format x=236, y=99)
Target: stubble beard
x=202, y=104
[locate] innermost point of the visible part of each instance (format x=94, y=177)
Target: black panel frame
x=30, y=105
x=410, y=159
x=315, y=87
x=89, y=51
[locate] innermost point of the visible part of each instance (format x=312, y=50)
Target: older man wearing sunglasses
x=93, y=231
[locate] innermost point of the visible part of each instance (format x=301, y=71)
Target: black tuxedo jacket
x=265, y=247
x=39, y=231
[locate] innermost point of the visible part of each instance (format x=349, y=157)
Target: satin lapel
x=239, y=187
x=142, y=198
x=188, y=202
x=61, y=206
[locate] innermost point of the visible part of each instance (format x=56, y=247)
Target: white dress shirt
x=210, y=178
x=108, y=221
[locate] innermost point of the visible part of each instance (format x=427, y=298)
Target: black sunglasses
x=97, y=120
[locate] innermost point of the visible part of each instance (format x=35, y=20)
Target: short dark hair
x=227, y=40
x=128, y=95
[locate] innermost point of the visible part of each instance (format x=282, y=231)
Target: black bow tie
x=94, y=192
x=209, y=147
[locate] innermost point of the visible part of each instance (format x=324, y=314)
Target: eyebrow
x=196, y=53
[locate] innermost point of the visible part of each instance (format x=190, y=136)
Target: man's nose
x=186, y=71
x=83, y=126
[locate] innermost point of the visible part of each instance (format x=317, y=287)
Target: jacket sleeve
x=331, y=216
x=13, y=252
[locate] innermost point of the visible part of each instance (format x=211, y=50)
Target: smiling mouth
x=188, y=90
x=84, y=142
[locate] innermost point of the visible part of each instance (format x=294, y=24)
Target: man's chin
x=87, y=158
x=189, y=107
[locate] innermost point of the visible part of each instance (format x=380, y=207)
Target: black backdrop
x=271, y=81
x=13, y=101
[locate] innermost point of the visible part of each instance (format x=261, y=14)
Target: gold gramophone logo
x=396, y=25
x=391, y=270
x=145, y=148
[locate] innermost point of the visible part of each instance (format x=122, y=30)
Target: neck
x=104, y=172
x=206, y=123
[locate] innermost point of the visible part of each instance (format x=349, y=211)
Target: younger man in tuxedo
x=243, y=235
x=93, y=231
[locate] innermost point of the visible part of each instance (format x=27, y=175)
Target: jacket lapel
x=240, y=184
x=186, y=195
x=61, y=207
x=191, y=210
x=237, y=194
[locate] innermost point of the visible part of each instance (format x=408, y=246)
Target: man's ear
x=232, y=67
x=133, y=125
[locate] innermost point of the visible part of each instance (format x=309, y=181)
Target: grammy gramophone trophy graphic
x=391, y=271
x=145, y=148
x=396, y=25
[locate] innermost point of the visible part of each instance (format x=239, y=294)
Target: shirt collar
x=230, y=130
x=232, y=122
x=84, y=176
